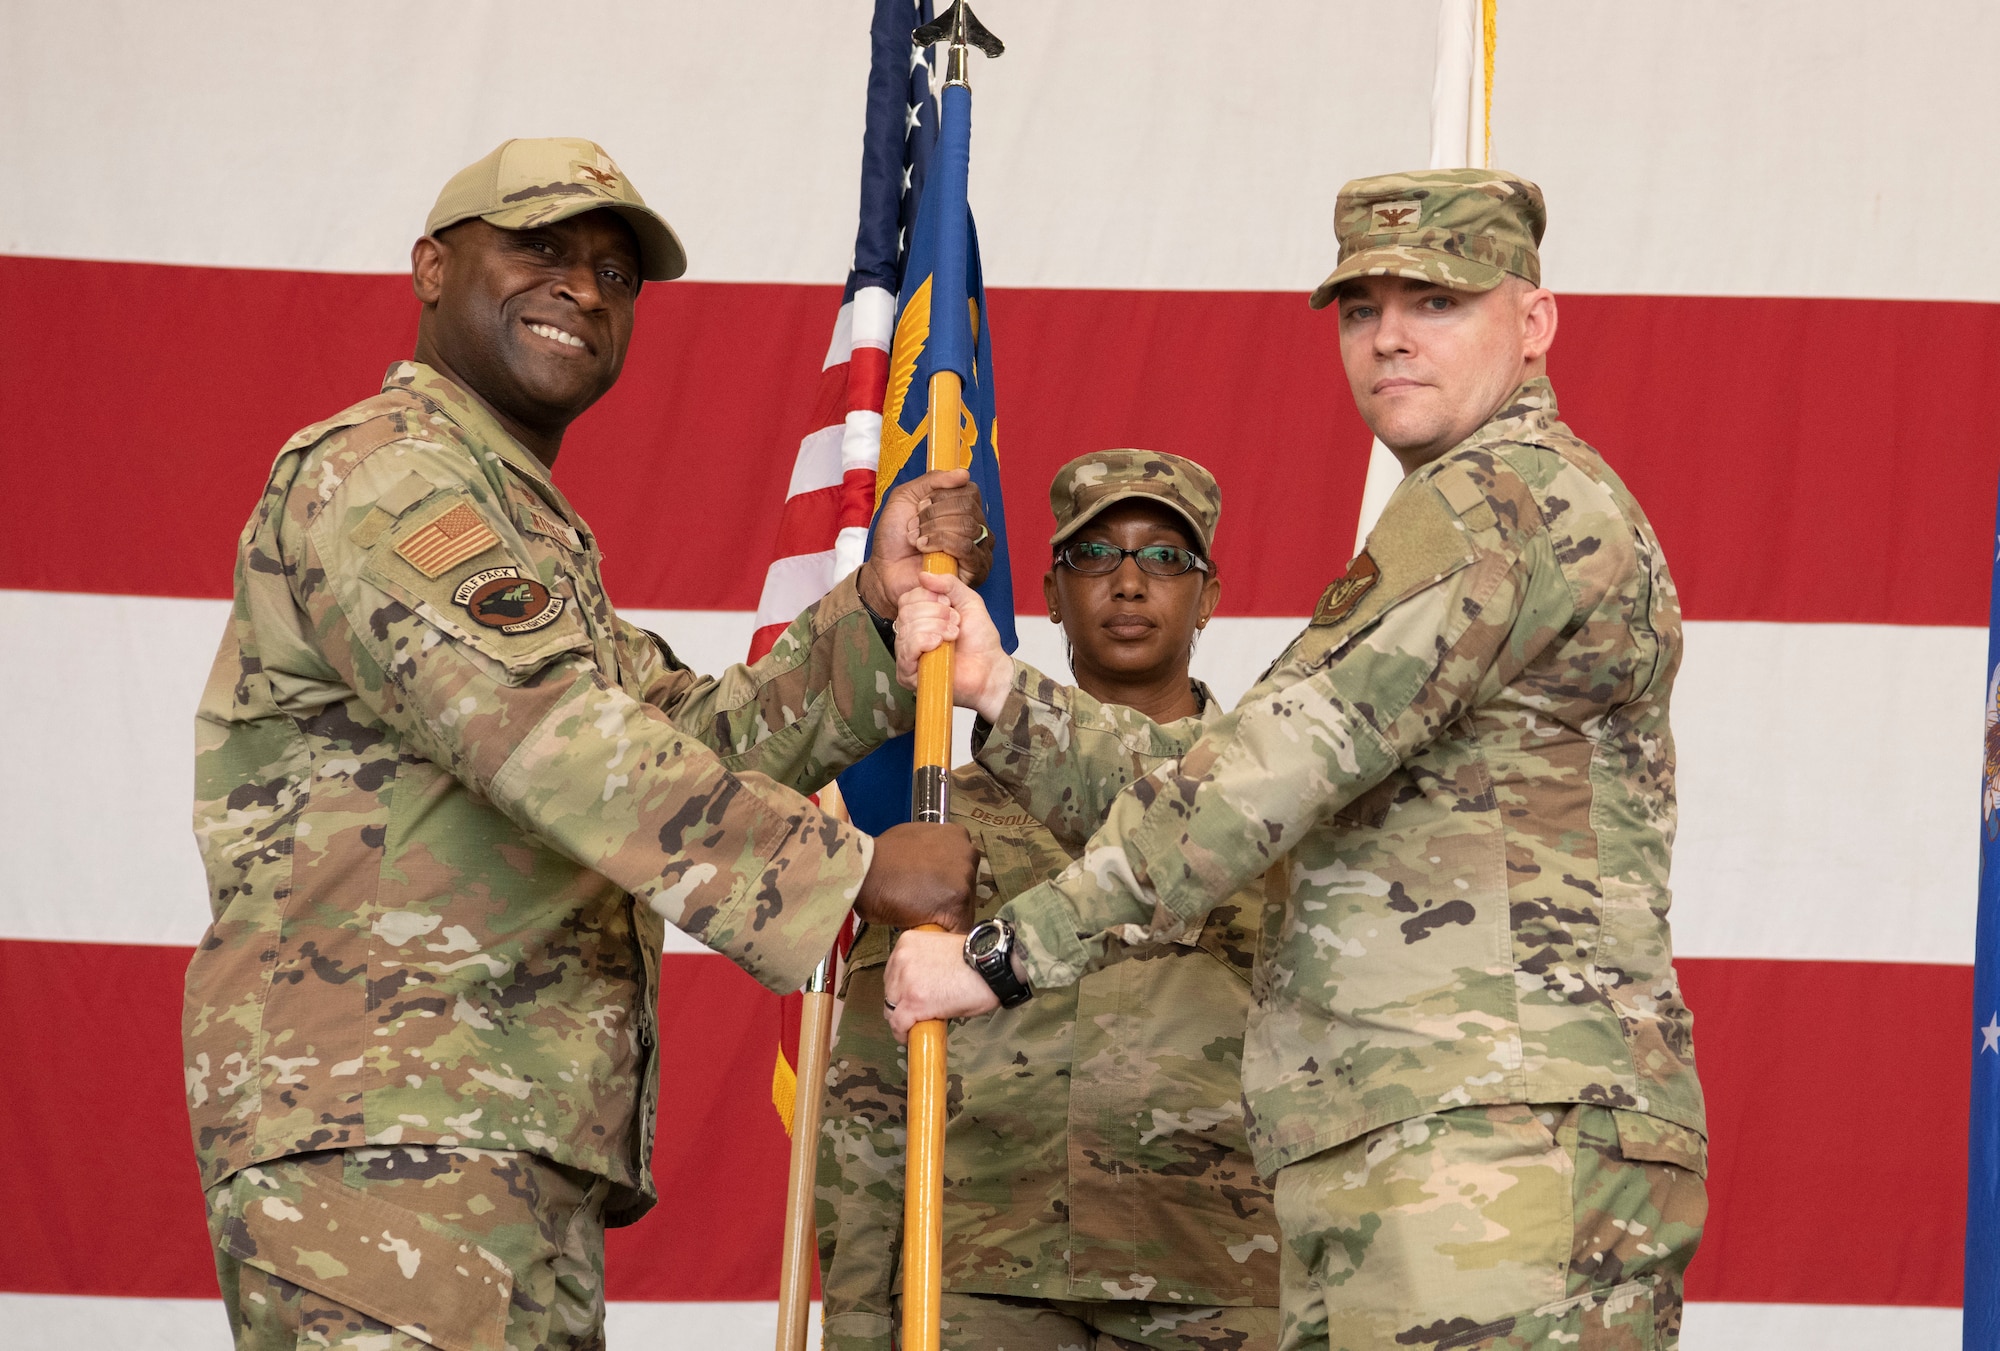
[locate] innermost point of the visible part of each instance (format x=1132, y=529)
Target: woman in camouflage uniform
x=1098, y=1187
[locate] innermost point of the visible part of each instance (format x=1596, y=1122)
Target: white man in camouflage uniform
x=1469, y=1065
x=448, y=802
x=1099, y=1189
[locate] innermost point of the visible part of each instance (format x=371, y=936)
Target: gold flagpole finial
x=960, y=28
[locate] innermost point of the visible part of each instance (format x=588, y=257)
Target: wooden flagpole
x=923, y=1180
x=798, y=1256
x=923, y=1176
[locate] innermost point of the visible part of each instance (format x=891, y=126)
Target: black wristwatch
x=989, y=950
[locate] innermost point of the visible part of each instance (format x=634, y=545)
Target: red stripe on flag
x=830, y=401
x=867, y=379
x=857, y=498
x=810, y=521
x=764, y=639
x=1837, y=1097
x=1795, y=460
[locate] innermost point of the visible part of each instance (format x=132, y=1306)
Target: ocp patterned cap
x=1089, y=484
x=525, y=183
x=1462, y=228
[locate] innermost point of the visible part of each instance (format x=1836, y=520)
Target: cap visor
x=1098, y=508
x=1431, y=265
x=661, y=257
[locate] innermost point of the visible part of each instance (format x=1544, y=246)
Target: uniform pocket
x=1634, y=963
x=375, y=1258
x=1621, y=1318
x=1647, y=1139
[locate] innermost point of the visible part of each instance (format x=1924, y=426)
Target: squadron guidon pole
x=923, y=1208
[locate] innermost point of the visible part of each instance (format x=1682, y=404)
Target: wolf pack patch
x=501, y=598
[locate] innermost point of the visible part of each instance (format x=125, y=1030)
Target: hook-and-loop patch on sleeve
x=456, y=567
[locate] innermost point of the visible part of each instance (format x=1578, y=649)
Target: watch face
x=983, y=940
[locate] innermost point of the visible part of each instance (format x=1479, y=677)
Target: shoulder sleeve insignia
x=454, y=536
x=1339, y=600
x=501, y=598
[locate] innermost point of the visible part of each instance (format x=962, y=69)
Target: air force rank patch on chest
x=501, y=598
x=1339, y=600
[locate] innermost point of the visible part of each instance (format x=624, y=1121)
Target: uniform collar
x=482, y=430
x=1527, y=417
x=1524, y=417
x=470, y=415
x=1211, y=707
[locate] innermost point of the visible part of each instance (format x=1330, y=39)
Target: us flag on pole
x=823, y=529
x=1982, y=1212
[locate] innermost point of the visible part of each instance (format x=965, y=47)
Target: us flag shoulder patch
x=450, y=539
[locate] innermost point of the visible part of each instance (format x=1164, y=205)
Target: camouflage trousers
x=1004, y=1323
x=1489, y=1227
x=395, y=1249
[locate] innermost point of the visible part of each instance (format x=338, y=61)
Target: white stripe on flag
x=1808, y=792
x=1826, y=788
x=874, y=321
x=819, y=462
x=1872, y=115
x=791, y=584
x=69, y=1322
x=849, y=550
x=838, y=348
x=1819, y=1327
x=861, y=440
x=66, y=1322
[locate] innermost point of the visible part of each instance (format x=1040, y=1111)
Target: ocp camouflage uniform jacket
x=1464, y=770
x=448, y=801
x=1096, y=1143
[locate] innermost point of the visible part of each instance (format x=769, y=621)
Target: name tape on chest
x=543, y=523
x=501, y=598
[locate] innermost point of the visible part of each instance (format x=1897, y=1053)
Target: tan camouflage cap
x=1462, y=228
x=1088, y=484
x=551, y=178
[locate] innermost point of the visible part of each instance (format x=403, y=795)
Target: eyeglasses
x=1094, y=558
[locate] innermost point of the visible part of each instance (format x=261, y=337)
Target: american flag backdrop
x=1776, y=323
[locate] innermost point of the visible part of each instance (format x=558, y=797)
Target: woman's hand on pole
x=928, y=979
x=946, y=610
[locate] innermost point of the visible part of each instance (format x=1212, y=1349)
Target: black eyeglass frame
x=1196, y=563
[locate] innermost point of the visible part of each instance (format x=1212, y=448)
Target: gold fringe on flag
x=785, y=1090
